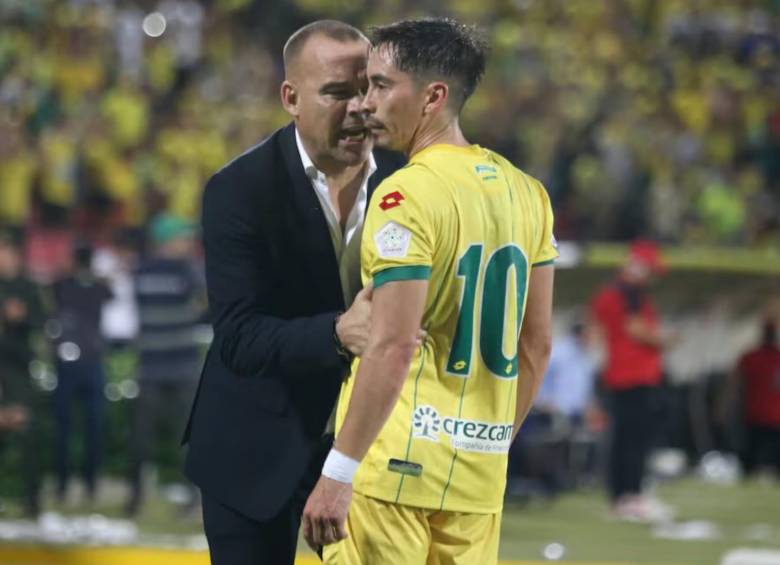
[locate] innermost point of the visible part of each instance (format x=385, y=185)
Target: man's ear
x=437, y=94
x=289, y=94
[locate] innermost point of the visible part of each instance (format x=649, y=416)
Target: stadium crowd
x=642, y=117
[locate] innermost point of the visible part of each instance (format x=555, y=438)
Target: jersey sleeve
x=398, y=237
x=547, y=250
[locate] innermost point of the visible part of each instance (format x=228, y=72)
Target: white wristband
x=339, y=467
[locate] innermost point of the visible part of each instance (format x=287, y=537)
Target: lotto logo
x=391, y=200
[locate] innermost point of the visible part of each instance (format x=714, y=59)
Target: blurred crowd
x=608, y=408
x=653, y=118
x=58, y=341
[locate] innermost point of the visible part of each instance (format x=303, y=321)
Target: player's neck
x=435, y=133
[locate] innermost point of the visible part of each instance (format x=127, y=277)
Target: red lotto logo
x=391, y=200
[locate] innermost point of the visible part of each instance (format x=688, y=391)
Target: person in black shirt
x=170, y=294
x=22, y=314
x=79, y=299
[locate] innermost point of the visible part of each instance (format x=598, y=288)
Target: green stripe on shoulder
x=406, y=273
x=543, y=263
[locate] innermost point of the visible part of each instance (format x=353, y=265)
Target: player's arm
x=397, y=311
x=535, y=341
x=396, y=315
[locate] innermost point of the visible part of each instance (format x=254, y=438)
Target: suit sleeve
x=239, y=284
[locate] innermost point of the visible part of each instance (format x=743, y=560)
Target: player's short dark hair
x=439, y=48
x=332, y=29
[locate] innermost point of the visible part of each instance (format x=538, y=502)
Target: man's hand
x=354, y=325
x=325, y=514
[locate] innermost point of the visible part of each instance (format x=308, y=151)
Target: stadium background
x=644, y=118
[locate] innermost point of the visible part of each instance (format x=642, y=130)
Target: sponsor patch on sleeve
x=392, y=240
x=391, y=200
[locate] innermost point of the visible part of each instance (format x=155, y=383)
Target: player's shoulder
x=523, y=180
x=415, y=182
x=411, y=174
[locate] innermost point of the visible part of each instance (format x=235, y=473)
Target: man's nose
x=367, y=103
x=354, y=106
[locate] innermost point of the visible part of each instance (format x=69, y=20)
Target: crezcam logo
x=426, y=423
x=465, y=435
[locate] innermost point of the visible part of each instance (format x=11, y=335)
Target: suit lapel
x=313, y=227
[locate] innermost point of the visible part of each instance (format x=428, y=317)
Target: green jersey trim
x=454, y=455
x=414, y=407
x=406, y=273
x=543, y=263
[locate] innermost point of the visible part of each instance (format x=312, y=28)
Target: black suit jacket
x=272, y=374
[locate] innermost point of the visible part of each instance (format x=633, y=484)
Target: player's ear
x=437, y=95
x=289, y=94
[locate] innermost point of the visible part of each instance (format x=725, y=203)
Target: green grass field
x=581, y=523
x=744, y=515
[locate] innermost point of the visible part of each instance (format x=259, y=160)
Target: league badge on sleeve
x=392, y=240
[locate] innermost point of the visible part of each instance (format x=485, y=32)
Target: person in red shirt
x=632, y=374
x=759, y=375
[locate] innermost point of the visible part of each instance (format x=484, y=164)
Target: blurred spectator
x=632, y=376
x=79, y=299
x=115, y=264
x=555, y=447
x=758, y=374
x=18, y=168
x=21, y=316
x=568, y=386
x=129, y=35
x=171, y=298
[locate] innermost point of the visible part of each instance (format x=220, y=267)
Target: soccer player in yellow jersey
x=460, y=243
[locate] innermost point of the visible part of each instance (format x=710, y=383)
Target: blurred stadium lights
x=129, y=388
x=69, y=351
x=112, y=393
x=554, y=551
x=154, y=24
x=53, y=329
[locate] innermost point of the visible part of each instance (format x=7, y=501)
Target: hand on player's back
x=354, y=325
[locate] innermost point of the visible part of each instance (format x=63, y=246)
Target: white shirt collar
x=311, y=169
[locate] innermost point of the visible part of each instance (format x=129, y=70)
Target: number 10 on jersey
x=493, y=303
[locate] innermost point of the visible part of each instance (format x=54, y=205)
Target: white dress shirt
x=346, y=244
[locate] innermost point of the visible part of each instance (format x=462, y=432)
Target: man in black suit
x=281, y=229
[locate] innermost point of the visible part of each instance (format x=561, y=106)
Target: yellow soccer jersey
x=474, y=225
